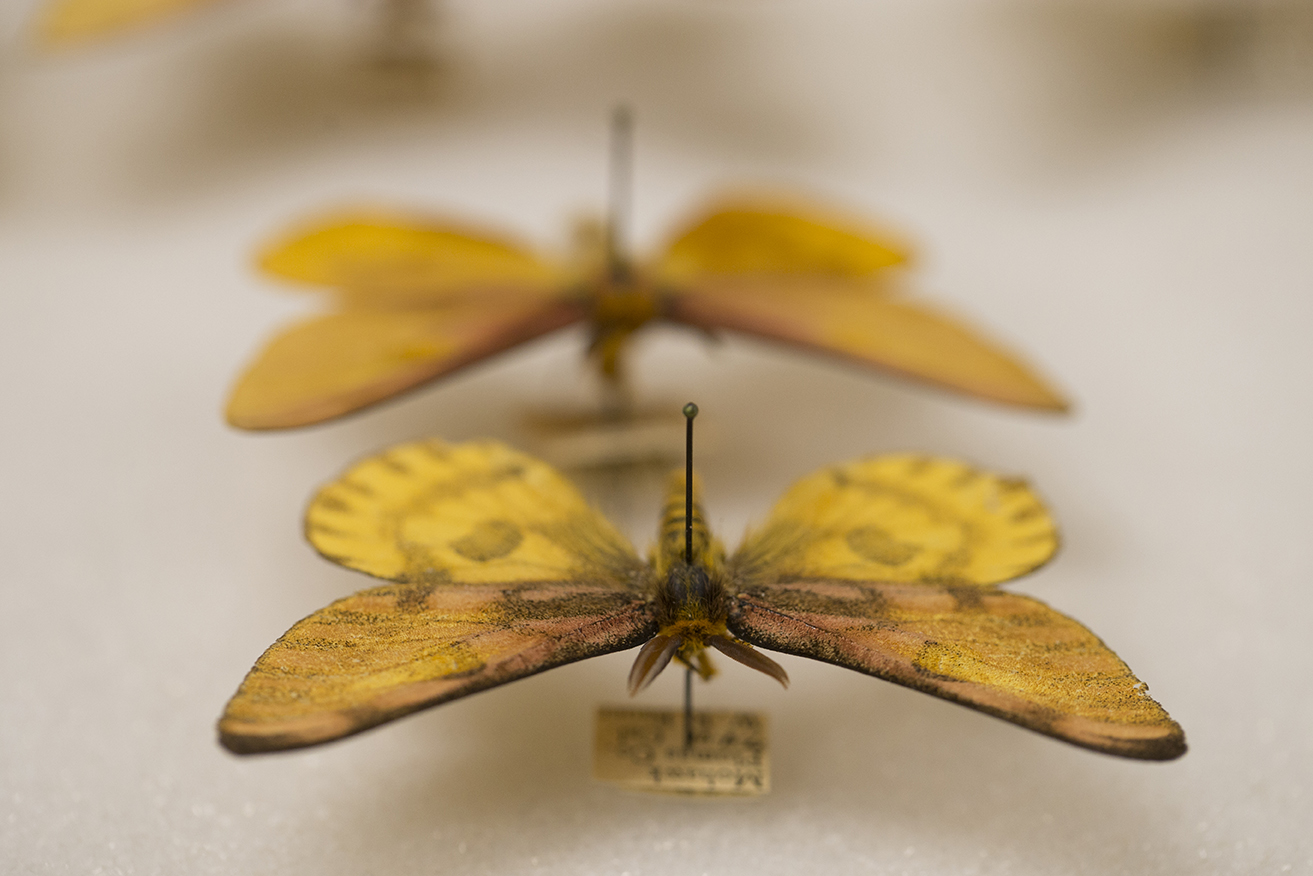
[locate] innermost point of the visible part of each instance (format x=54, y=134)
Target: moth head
x=692, y=610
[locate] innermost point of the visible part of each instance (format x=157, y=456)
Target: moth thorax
x=623, y=306
x=619, y=310
x=691, y=594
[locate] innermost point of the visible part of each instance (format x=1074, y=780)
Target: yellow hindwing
x=473, y=513
x=902, y=518
x=779, y=236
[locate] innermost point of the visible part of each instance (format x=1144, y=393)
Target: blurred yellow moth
x=418, y=297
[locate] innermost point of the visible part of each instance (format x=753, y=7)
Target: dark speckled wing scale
x=890, y=566
x=500, y=570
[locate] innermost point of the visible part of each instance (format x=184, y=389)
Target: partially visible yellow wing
x=339, y=363
x=387, y=258
x=386, y=652
x=859, y=323
x=1008, y=655
x=740, y=236
x=901, y=518
x=473, y=513
x=65, y=22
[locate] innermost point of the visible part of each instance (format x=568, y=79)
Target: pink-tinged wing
x=867, y=325
x=1008, y=655
x=339, y=363
x=387, y=652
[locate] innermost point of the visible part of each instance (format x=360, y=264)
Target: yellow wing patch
x=779, y=236
x=901, y=518
x=467, y=513
x=383, y=258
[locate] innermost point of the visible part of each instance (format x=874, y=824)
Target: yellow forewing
x=781, y=237
x=382, y=258
x=339, y=363
x=1008, y=655
x=75, y=21
x=901, y=518
x=857, y=322
x=473, y=513
x=386, y=652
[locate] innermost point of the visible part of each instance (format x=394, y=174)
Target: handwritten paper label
x=646, y=751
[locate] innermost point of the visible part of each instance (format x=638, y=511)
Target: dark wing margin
x=389, y=651
x=1000, y=653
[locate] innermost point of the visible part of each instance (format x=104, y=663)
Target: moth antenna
x=622, y=175
x=690, y=411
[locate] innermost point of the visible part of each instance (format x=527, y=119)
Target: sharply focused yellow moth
x=419, y=297
x=500, y=569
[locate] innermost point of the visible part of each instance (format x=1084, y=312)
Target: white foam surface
x=1123, y=190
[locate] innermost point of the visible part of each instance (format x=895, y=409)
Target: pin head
x=690, y=410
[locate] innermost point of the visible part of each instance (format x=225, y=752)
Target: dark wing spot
x=878, y=546
x=356, y=487
x=412, y=596
x=965, y=479
x=966, y=597
x=489, y=540
x=955, y=559
x=1025, y=514
x=333, y=503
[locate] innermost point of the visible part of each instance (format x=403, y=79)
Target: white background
x=1123, y=190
